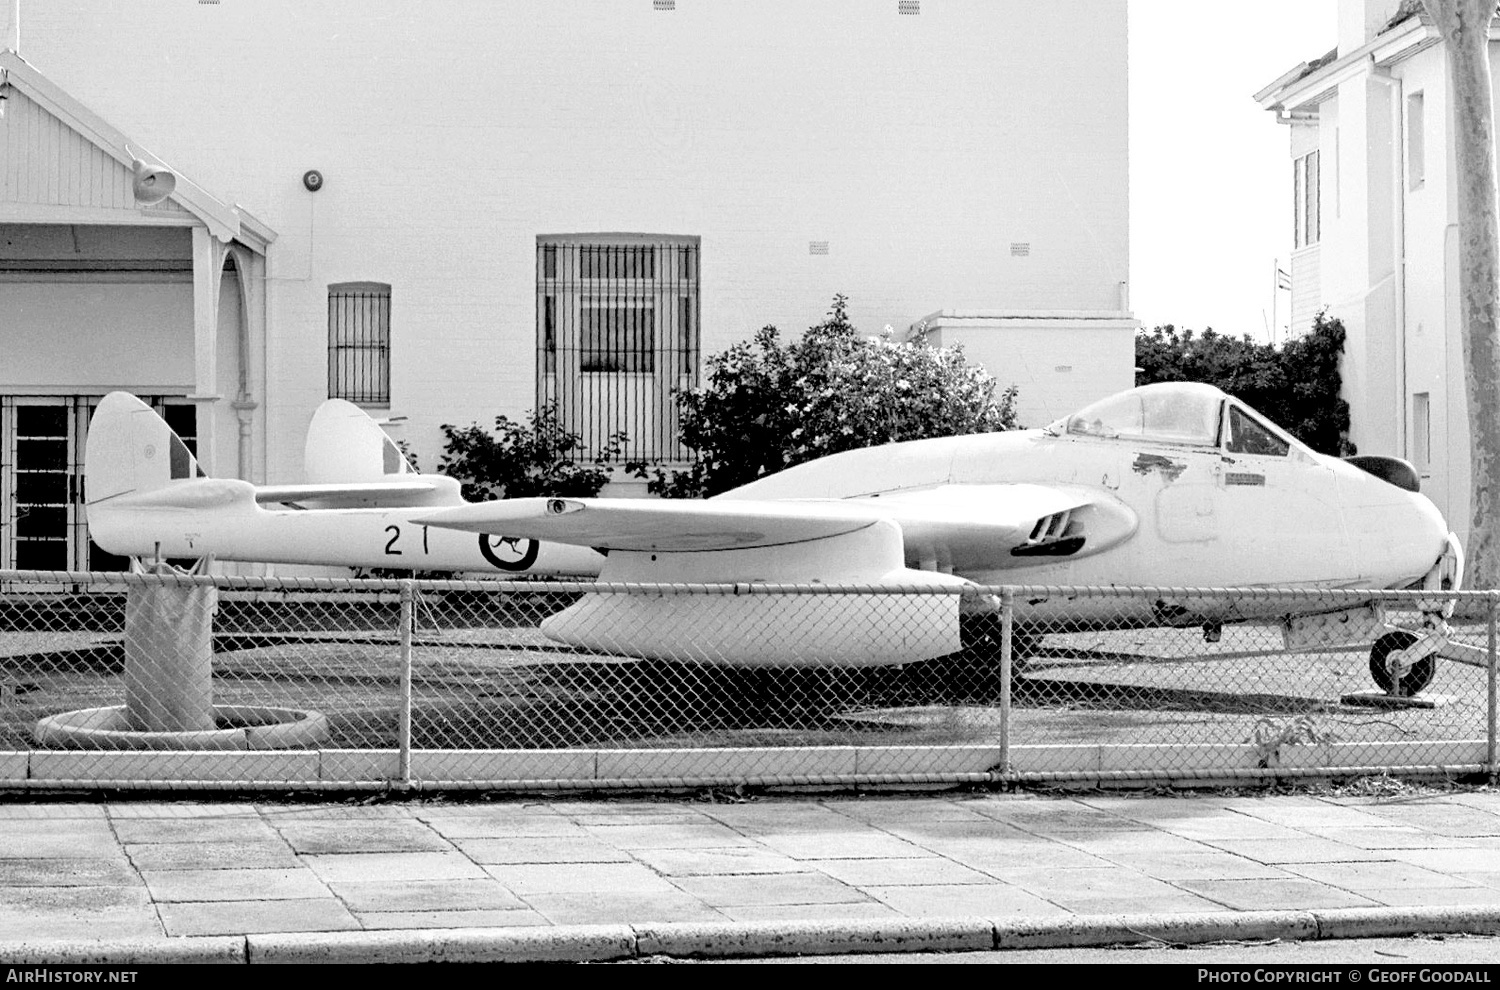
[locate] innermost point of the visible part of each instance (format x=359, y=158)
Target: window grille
x=617, y=333
x=359, y=342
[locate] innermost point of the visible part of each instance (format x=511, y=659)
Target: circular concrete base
x=238, y=727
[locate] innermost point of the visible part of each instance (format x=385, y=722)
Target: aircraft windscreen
x=1166, y=413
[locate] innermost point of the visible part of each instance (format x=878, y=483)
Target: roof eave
x=220, y=218
x=1293, y=93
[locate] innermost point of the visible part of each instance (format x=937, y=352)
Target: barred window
x=617, y=332
x=359, y=342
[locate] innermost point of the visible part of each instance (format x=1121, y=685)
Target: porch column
x=208, y=268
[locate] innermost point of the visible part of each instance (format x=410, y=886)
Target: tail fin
x=132, y=450
x=345, y=445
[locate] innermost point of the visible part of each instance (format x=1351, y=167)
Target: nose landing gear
x=1409, y=677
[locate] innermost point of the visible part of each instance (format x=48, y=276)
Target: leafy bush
x=519, y=459
x=767, y=405
x=1295, y=384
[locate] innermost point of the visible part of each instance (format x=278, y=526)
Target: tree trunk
x=1465, y=29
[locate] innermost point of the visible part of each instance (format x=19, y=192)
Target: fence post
x=403, y=724
x=1489, y=754
x=1007, y=602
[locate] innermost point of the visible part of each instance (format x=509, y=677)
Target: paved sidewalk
x=133, y=873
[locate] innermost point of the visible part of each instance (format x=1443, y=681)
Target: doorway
x=43, y=520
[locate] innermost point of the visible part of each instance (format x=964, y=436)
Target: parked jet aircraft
x=1169, y=485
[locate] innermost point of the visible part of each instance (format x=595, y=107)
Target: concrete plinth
x=235, y=727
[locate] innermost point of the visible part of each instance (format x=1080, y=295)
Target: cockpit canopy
x=1181, y=413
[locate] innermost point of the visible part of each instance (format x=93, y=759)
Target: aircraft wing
x=967, y=525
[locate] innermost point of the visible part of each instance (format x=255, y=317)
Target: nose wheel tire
x=1418, y=677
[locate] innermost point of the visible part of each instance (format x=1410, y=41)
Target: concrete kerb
x=564, y=943
x=613, y=943
x=808, y=938
x=124, y=952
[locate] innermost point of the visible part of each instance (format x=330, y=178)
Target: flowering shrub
x=1296, y=385
x=522, y=459
x=767, y=405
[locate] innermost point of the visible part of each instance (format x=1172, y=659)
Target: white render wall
x=921, y=148
x=1059, y=362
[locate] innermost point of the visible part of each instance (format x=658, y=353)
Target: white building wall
x=921, y=148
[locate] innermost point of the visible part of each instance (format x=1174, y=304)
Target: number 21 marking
x=395, y=531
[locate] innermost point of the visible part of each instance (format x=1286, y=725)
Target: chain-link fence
x=177, y=680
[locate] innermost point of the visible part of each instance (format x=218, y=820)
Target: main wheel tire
x=1418, y=677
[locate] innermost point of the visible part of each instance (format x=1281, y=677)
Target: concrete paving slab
x=50, y=811
x=809, y=912
x=228, y=828
x=234, y=885
x=700, y=862
x=898, y=872
x=72, y=838
x=615, y=907
x=950, y=900
x=318, y=914
x=361, y=836
x=996, y=858
x=1320, y=813
x=546, y=849
x=982, y=829
x=344, y=811
x=1198, y=866
x=1255, y=895
x=775, y=888
x=582, y=810
x=1156, y=902
x=574, y=878
x=1143, y=808
x=1371, y=877
x=58, y=872
x=823, y=913
x=490, y=918
x=661, y=817
x=1060, y=886
x=366, y=896
x=212, y=855
x=123, y=810
x=691, y=834
x=346, y=867
x=1309, y=849
x=1109, y=842
x=1439, y=817
x=1050, y=818
x=1449, y=861
x=1230, y=825
x=1391, y=837
x=42, y=913
x=780, y=816
x=497, y=827
x=857, y=843
x=1437, y=897
x=899, y=811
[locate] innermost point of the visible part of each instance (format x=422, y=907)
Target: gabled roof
x=192, y=201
